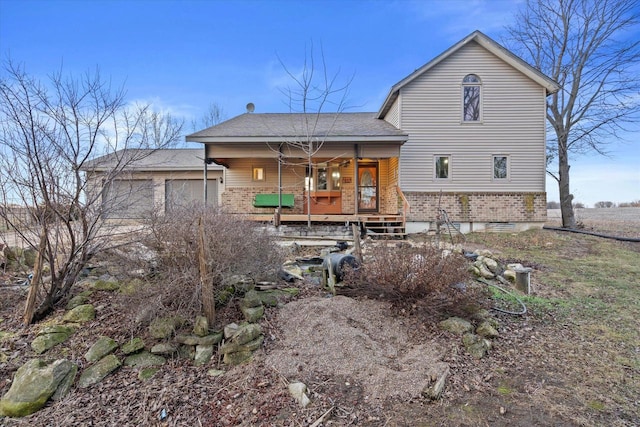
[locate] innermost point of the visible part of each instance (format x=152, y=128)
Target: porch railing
x=406, y=207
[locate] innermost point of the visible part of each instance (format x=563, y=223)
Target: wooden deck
x=383, y=225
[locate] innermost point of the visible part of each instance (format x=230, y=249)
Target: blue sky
x=184, y=55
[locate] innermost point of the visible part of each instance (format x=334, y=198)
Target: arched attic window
x=471, y=104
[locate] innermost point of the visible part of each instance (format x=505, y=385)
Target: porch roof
x=284, y=127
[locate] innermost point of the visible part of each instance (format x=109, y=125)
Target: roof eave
x=283, y=139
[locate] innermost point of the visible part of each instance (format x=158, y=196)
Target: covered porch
x=329, y=167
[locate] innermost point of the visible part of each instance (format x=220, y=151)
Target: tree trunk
x=566, y=198
x=208, y=300
x=309, y=189
x=35, y=282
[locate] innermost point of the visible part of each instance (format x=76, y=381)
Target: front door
x=367, y=187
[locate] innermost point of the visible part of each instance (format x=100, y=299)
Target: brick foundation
x=478, y=207
x=240, y=200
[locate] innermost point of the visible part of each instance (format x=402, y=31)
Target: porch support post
x=355, y=172
x=277, y=216
x=206, y=162
x=280, y=178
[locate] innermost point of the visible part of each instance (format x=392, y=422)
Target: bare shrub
x=235, y=247
x=417, y=279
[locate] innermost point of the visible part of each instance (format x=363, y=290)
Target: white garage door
x=128, y=198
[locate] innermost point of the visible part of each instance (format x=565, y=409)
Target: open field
x=572, y=360
x=616, y=221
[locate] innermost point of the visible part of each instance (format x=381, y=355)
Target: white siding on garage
x=513, y=124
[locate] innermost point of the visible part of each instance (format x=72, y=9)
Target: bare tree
x=313, y=92
x=215, y=114
x=584, y=45
x=49, y=133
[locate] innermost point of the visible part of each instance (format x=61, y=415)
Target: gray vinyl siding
x=393, y=115
x=513, y=124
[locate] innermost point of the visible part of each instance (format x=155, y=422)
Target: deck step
x=385, y=226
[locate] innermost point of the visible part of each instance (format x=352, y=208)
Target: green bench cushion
x=271, y=201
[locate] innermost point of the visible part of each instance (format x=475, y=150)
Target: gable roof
x=147, y=160
x=279, y=127
x=490, y=45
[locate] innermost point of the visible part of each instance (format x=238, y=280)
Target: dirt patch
x=356, y=340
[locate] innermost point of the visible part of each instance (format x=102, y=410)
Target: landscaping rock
x=476, y=345
x=163, y=348
x=237, y=358
x=97, y=372
x=193, y=340
x=483, y=271
x=51, y=336
x=246, y=332
x=240, y=346
x=231, y=347
x=230, y=329
x=251, y=299
x=203, y=354
x=210, y=339
x=164, y=327
x=133, y=346
x=201, y=326
x=109, y=285
x=215, y=372
x=456, y=325
x=144, y=359
x=65, y=385
x=510, y=275
x=240, y=283
x=299, y=392
x=100, y=348
x=33, y=384
x=80, y=314
x=486, y=329
x=76, y=301
x=293, y=269
x=187, y=339
x=252, y=314
x=490, y=263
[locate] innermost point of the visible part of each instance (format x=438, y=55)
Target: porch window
x=442, y=164
x=258, y=174
x=323, y=177
x=471, y=104
x=500, y=167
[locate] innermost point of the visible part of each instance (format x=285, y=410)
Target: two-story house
x=463, y=134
